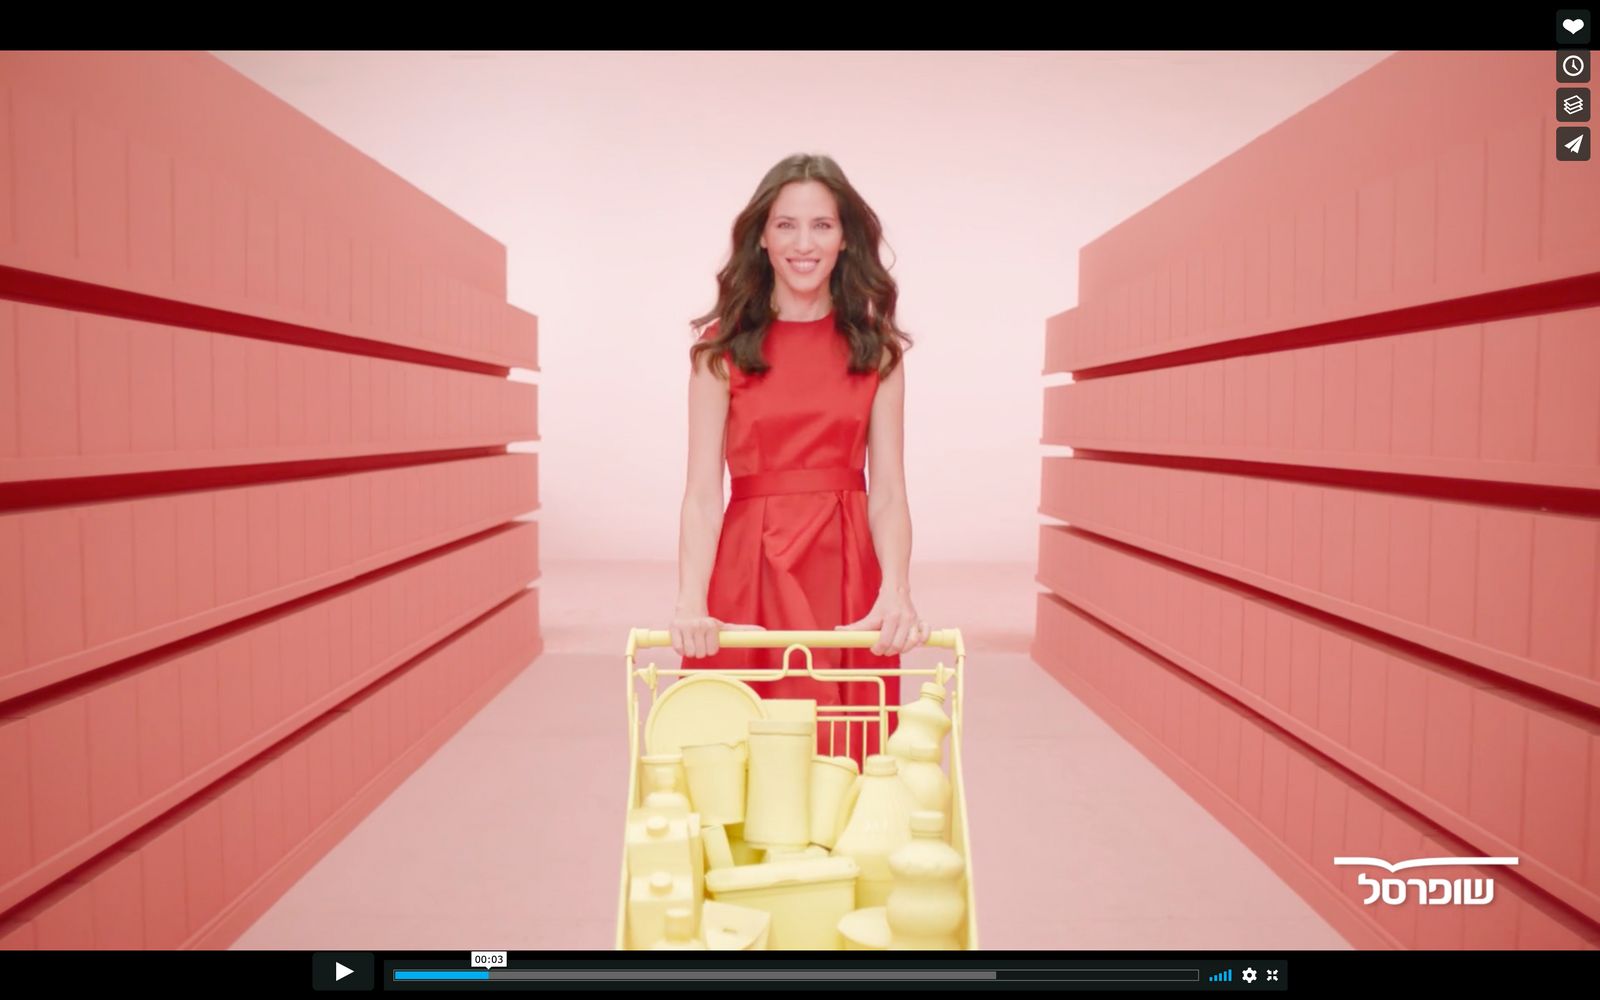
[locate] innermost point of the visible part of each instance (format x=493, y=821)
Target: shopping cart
x=853, y=718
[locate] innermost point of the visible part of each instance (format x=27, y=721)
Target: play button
x=342, y=970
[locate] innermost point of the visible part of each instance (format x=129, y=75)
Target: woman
x=802, y=379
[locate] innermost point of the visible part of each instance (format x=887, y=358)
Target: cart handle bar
x=822, y=638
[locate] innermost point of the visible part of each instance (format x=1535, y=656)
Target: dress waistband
x=762, y=484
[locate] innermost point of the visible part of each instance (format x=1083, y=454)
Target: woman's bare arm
x=701, y=519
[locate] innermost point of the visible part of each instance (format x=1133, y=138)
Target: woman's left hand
x=896, y=619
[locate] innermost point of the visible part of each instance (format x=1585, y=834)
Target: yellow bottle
x=923, y=719
x=879, y=824
x=928, y=783
x=927, y=906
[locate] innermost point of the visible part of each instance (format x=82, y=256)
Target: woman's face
x=803, y=236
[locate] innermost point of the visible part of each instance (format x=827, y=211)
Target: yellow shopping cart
x=853, y=718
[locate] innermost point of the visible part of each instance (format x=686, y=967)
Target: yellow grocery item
x=743, y=853
x=717, y=780
x=832, y=779
x=726, y=927
x=793, y=853
x=653, y=895
x=779, y=791
x=665, y=781
x=927, y=905
x=705, y=708
x=655, y=684
x=923, y=719
x=806, y=897
x=680, y=932
x=926, y=779
x=879, y=824
x=865, y=930
x=658, y=843
x=718, y=854
x=697, y=858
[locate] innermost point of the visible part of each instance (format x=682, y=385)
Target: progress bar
x=769, y=975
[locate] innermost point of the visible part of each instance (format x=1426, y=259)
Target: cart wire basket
x=848, y=719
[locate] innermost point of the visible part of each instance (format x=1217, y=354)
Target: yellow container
x=652, y=896
x=856, y=721
x=866, y=929
x=807, y=898
x=726, y=927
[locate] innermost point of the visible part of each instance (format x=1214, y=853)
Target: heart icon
x=1573, y=25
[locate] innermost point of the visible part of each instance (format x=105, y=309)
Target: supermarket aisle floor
x=509, y=837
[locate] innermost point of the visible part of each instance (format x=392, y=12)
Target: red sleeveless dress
x=796, y=549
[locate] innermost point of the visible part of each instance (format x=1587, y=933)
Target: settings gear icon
x=1249, y=975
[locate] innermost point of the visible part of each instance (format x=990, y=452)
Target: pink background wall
x=989, y=171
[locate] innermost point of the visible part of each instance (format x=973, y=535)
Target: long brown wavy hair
x=864, y=296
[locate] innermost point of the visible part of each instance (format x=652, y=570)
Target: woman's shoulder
x=708, y=335
x=885, y=359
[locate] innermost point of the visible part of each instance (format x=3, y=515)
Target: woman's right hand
x=695, y=633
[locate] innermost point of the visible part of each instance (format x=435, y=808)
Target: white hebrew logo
x=1433, y=891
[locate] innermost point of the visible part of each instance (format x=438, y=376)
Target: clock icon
x=1572, y=67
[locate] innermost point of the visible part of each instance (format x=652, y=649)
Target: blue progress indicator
x=438, y=974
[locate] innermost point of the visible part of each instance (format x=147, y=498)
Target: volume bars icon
x=1226, y=976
